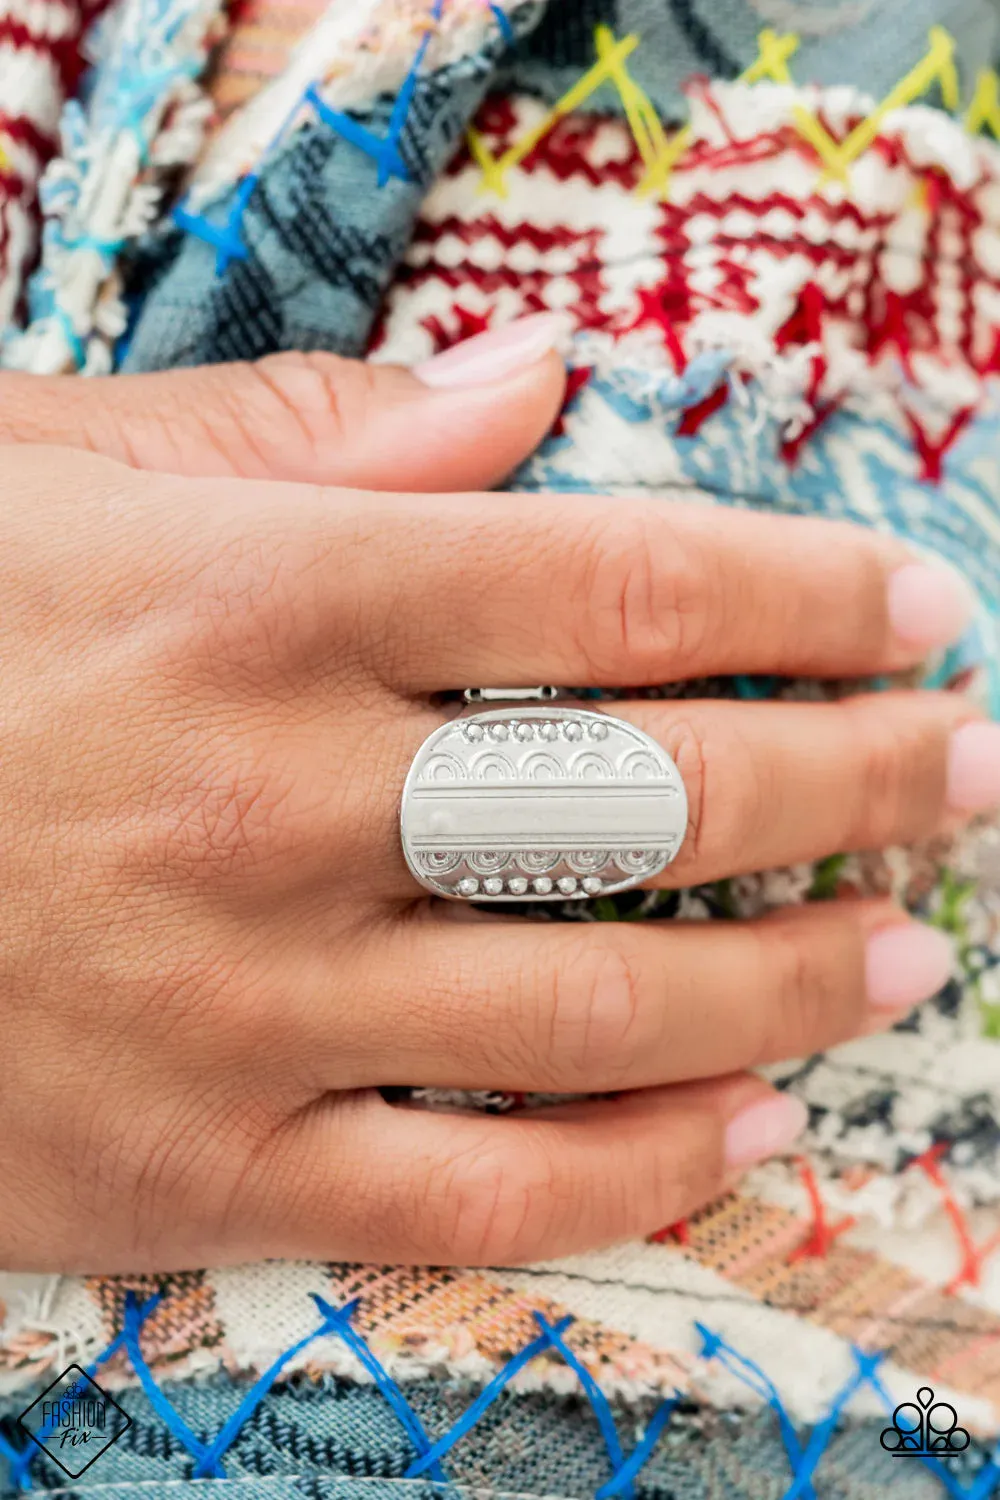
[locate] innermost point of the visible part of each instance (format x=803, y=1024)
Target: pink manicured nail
x=974, y=768
x=493, y=355
x=907, y=964
x=930, y=605
x=765, y=1129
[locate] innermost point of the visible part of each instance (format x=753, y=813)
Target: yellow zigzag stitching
x=771, y=62
x=660, y=152
x=938, y=66
x=984, y=108
x=495, y=169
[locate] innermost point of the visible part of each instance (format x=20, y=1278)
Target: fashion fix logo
x=74, y=1421
x=924, y=1428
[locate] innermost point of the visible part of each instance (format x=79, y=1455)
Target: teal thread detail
x=77, y=347
x=754, y=689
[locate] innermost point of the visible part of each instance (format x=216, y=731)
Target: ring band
x=550, y=804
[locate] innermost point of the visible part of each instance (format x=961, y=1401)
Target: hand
x=213, y=954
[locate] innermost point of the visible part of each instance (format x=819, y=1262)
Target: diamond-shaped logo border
x=40, y=1442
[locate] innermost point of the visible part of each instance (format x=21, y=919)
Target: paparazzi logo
x=73, y=1421
x=924, y=1428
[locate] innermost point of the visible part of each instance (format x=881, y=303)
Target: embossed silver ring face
x=551, y=804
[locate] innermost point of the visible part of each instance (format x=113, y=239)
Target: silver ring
x=540, y=804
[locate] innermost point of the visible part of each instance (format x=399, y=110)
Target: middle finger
x=776, y=784
x=501, y=1003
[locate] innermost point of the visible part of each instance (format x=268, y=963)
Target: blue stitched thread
x=597, y=1399
x=986, y=1481
x=157, y=1400
x=404, y=1411
x=208, y=1457
x=384, y=151
x=642, y=1452
x=715, y=1347
x=486, y=1397
x=401, y=108
x=226, y=239
x=337, y=1322
x=230, y=1430
x=20, y=1463
x=866, y=1367
x=503, y=22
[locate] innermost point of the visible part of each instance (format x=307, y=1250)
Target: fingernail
x=765, y=1129
x=974, y=768
x=907, y=964
x=930, y=605
x=491, y=356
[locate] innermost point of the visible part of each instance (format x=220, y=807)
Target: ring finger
x=774, y=784
x=503, y=1003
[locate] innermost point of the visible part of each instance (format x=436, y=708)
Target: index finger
x=594, y=592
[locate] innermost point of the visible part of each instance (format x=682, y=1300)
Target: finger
x=597, y=1006
x=772, y=784
x=462, y=422
x=776, y=784
x=585, y=591
x=360, y=1180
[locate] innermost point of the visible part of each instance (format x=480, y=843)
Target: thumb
x=461, y=421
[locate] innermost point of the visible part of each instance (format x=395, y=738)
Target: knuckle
x=728, y=792
x=598, y=1037
x=694, y=1175
x=895, y=796
x=498, y=1204
x=643, y=597
x=802, y=1002
x=317, y=395
x=282, y=412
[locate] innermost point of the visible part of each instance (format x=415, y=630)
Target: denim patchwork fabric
x=333, y=1441
x=323, y=239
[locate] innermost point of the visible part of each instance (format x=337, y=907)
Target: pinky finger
x=362, y=1180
